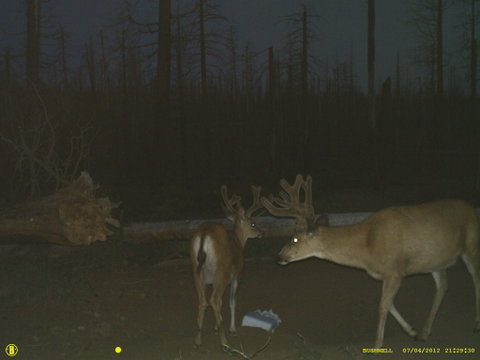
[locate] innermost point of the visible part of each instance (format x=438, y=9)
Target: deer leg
x=403, y=323
x=473, y=266
x=216, y=302
x=202, y=306
x=440, y=278
x=389, y=290
x=233, y=290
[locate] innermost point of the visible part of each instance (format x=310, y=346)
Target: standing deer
x=217, y=258
x=391, y=244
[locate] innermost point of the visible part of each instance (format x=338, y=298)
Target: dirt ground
x=81, y=303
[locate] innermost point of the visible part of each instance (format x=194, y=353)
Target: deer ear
x=322, y=220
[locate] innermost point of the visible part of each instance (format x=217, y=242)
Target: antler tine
x=289, y=202
x=256, y=201
x=292, y=191
x=307, y=187
x=230, y=203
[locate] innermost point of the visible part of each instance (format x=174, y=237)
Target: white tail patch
x=209, y=268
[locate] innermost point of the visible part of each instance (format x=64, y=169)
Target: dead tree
x=63, y=57
x=40, y=33
x=372, y=117
x=32, y=63
x=49, y=152
x=91, y=65
x=300, y=68
x=427, y=19
x=164, y=49
x=161, y=28
x=207, y=39
x=439, y=48
x=71, y=216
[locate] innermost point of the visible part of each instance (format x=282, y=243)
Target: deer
x=397, y=242
x=217, y=259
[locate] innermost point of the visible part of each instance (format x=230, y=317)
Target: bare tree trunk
x=304, y=61
x=164, y=49
x=179, y=57
x=272, y=86
x=233, y=60
x=372, y=117
x=103, y=65
x=63, y=54
x=439, y=48
x=203, y=51
x=33, y=41
x=398, y=79
x=8, y=67
x=123, y=72
x=371, y=63
x=473, y=53
x=305, y=154
x=90, y=59
x=473, y=86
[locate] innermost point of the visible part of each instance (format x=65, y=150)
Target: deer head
x=241, y=218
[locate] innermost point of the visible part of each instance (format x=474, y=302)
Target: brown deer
x=217, y=258
x=397, y=242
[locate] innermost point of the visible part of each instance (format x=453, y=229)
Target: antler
x=288, y=204
x=256, y=201
x=230, y=203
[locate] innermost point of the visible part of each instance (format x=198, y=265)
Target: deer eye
x=253, y=224
x=295, y=240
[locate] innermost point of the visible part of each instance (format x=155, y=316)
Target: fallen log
x=71, y=216
x=184, y=229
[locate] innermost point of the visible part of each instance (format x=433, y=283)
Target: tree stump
x=71, y=216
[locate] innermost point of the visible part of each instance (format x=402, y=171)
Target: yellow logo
x=11, y=350
x=118, y=349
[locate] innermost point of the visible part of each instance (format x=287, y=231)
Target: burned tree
x=33, y=17
x=427, y=19
x=300, y=66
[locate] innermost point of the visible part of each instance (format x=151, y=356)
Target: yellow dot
x=118, y=349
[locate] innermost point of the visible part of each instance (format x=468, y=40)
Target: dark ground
x=80, y=303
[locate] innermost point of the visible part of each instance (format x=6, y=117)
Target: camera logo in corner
x=11, y=350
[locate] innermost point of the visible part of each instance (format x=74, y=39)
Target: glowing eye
x=295, y=240
x=253, y=225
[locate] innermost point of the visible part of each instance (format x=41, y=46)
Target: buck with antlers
x=217, y=258
x=397, y=242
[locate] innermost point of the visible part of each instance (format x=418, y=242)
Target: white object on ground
x=262, y=319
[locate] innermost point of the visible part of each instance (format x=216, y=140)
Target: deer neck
x=239, y=234
x=344, y=245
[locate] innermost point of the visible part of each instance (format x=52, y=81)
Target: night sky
x=341, y=26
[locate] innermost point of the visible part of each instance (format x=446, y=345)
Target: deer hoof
x=198, y=341
x=420, y=338
x=223, y=340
